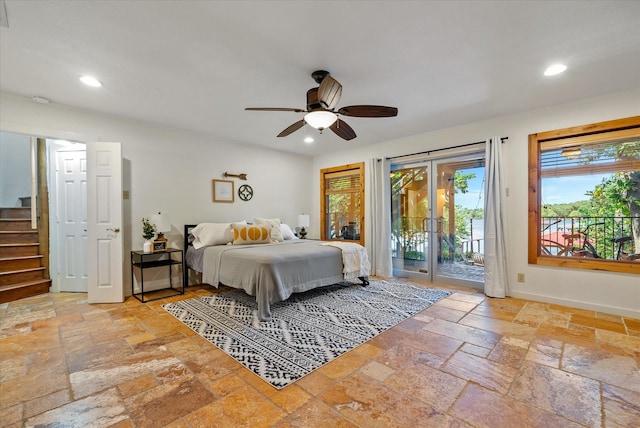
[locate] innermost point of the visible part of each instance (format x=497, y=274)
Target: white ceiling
x=195, y=65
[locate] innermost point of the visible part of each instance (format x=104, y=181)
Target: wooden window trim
x=339, y=171
x=568, y=137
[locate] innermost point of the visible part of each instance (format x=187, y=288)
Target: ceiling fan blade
x=292, y=128
x=342, y=130
x=297, y=110
x=329, y=92
x=368, y=111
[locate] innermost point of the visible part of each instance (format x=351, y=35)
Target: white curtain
x=496, y=272
x=378, y=222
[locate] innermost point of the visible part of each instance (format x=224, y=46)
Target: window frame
x=355, y=168
x=568, y=137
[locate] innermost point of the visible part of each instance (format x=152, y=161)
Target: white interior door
x=71, y=216
x=104, y=222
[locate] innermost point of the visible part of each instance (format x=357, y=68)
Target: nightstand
x=142, y=261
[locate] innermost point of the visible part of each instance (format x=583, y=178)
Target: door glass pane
x=459, y=213
x=344, y=216
x=409, y=218
x=343, y=204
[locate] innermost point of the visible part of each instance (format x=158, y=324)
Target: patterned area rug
x=306, y=331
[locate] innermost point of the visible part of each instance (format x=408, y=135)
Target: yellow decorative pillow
x=244, y=234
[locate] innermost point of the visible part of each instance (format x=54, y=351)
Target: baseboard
x=577, y=304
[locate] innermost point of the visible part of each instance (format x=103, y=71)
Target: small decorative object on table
x=157, y=246
x=162, y=224
x=148, y=230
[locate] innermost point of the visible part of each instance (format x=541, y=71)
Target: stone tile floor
x=467, y=361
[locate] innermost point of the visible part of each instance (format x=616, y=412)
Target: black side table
x=142, y=261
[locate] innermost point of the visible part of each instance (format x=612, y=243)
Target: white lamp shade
x=303, y=220
x=162, y=222
x=320, y=119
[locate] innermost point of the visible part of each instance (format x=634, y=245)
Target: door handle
x=425, y=225
x=116, y=230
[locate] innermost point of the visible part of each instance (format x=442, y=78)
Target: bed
x=273, y=271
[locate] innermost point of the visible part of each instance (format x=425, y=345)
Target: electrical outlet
x=520, y=277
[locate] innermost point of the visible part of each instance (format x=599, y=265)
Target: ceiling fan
x=321, y=113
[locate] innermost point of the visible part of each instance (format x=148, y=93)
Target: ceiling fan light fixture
x=320, y=119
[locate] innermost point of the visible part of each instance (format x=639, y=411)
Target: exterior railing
x=561, y=236
x=475, y=245
x=587, y=236
x=410, y=241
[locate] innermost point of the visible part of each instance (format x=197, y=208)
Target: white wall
x=605, y=291
x=15, y=169
x=171, y=170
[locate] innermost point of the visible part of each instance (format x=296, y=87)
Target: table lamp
x=162, y=224
x=303, y=221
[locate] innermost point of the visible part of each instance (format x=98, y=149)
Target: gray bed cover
x=272, y=272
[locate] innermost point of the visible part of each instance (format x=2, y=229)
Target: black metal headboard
x=187, y=243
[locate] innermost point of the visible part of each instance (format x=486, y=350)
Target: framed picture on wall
x=223, y=191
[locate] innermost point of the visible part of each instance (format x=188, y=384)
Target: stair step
x=19, y=263
x=9, y=293
x=15, y=212
x=18, y=237
x=18, y=250
x=7, y=224
x=22, y=275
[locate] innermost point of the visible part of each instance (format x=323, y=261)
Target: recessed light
x=40, y=100
x=555, y=69
x=90, y=81
x=308, y=140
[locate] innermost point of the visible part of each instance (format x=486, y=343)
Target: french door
x=437, y=220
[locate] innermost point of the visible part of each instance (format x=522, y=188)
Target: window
x=584, y=197
x=343, y=203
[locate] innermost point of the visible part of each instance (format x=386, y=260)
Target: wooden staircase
x=22, y=273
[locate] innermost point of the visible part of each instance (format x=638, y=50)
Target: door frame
x=43, y=169
x=432, y=162
x=56, y=255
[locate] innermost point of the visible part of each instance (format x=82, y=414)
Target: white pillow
x=274, y=223
x=287, y=232
x=245, y=234
x=212, y=234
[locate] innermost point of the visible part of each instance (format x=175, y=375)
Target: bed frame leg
x=364, y=279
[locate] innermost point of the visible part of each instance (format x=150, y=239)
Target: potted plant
x=148, y=231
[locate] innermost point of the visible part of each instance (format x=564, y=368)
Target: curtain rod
x=428, y=152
